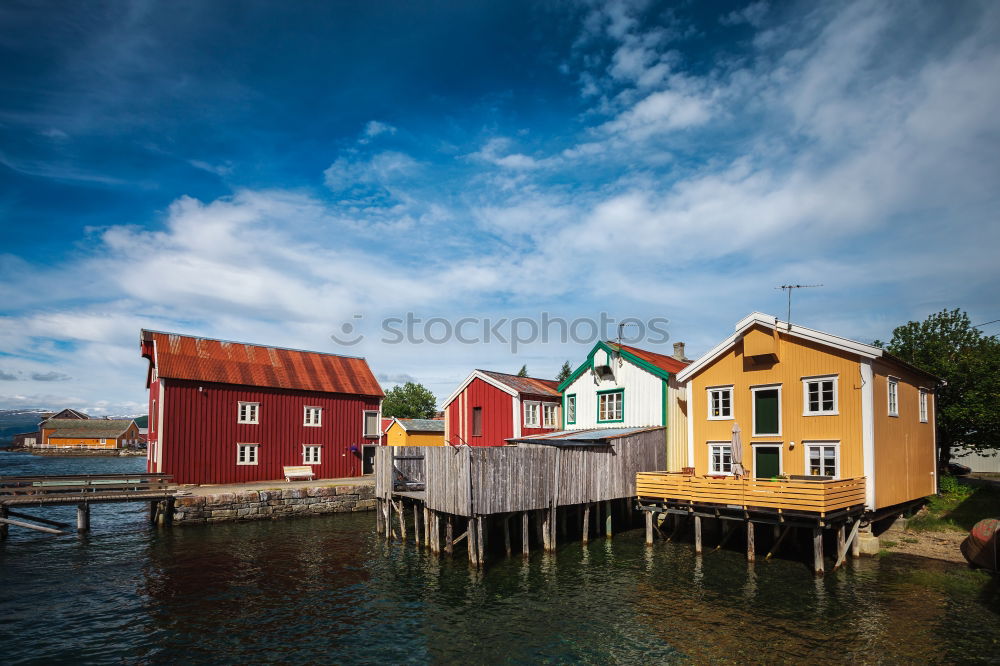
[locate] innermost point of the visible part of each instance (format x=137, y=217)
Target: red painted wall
x=200, y=432
x=498, y=414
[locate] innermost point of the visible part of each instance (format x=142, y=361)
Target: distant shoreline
x=79, y=453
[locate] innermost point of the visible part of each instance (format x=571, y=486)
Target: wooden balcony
x=805, y=496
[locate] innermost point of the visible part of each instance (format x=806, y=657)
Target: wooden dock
x=530, y=494
x=81, y=490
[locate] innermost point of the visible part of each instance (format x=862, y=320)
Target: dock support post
x=553, y=519
x=4, y=527
x=817, y=550
x=379, y=517
x=546, y=529
x=152, y=511
x=427, y=527
x=480, y=544
x=416, y=525
x=506, y=534
x=751, y=546
x=525, y=534
x=607, y=519
x=540, y=527
x=389, y=529
x=855, y=541
x=586, y=523
x=83, y=517
x=697, y=534
x=168, y=519
x=401, y=510
x=841, y=545
x=449, y=536
x=649, y=528
x=470, y=540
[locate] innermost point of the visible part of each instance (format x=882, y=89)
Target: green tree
x=409, y=401
x=967, y=406
x=523, y=372
x=564, y=372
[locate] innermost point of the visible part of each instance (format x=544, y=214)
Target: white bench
x=298, y=472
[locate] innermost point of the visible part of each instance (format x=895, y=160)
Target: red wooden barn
x=490, y=407
x=229, y=412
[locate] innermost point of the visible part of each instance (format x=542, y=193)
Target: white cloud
x=375, y=128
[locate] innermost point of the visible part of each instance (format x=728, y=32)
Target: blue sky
x=267, y=171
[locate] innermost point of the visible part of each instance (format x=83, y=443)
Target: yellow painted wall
x=796, y=359
x=132, y=434
x=904, y=447
x=677, y=449
x=396, y=436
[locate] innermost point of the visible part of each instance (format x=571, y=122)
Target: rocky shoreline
x=86, y=453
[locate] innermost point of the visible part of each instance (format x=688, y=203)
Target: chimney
x=679, y=351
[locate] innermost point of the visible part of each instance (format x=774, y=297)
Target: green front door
x=766, y=461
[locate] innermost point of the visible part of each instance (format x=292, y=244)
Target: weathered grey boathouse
x=566, y=484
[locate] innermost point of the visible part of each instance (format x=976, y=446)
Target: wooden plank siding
x=904, y=447
x=469, y=481
x=796, y=358
x=820, y=497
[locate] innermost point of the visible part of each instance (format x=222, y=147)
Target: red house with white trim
x=231, y=412
x=490, y=407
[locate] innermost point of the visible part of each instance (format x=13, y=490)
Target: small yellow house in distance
x=415, y=432
x=61, y=433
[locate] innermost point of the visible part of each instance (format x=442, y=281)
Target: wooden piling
x=470, y=540
x=817, y=540
x=751, y=547
x=525, y=534
x=586, y=523
x=607, y=519
x=649, y=528
x=427, y=527
x=553, y=519
x=856, y=540
x=379, y=517
x=546, y=529
x=416, y=525
x=400, y=509
x=389, y=529
x=4, y=528
x=697, y=534
x=841, y=545
x=83, y=517
x=506, y=534
x=480, y=543
x=540, y=528
x=449, y=536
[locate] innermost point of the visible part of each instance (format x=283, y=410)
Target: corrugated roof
x=661, y=361
x=583, y=437
x=225, y=362
x=87, y=427
x=422, y=425
x=530, y=385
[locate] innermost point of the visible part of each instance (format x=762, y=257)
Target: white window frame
x=256, y=412
x=711, y=390
x=721, y=444
x=922, y=405
x=532, y=414
x=315, y=459
x=806, y=445
x=251, y=456
x=892, y=395
x=806, y=381
x=609, y=416
x=364, y=423
x=312, y=417
x=548, y=407
x=753, y=410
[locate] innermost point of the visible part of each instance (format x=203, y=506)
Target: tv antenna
x=789, y=288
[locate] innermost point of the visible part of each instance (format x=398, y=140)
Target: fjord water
x=325, y=589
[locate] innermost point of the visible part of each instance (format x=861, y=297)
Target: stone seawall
x=273, y=503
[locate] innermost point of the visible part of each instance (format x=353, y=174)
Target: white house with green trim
x=623, y=386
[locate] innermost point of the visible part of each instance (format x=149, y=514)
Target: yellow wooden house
x=87, y=433
x=824, y=425
x=415, y=432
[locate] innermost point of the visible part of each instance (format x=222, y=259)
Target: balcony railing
x=822, y=497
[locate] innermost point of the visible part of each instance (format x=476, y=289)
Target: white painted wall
x=643, y=397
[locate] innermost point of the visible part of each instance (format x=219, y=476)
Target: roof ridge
x=507, y=374
x=253, y=344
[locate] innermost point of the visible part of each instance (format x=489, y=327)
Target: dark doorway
x=368, y=460
x=766, y=461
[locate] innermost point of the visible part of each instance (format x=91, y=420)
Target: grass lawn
x=957, y=508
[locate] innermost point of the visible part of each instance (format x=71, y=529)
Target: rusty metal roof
x=661, y=361
x=87, y=427
x=207, y=360
x=526, y=384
